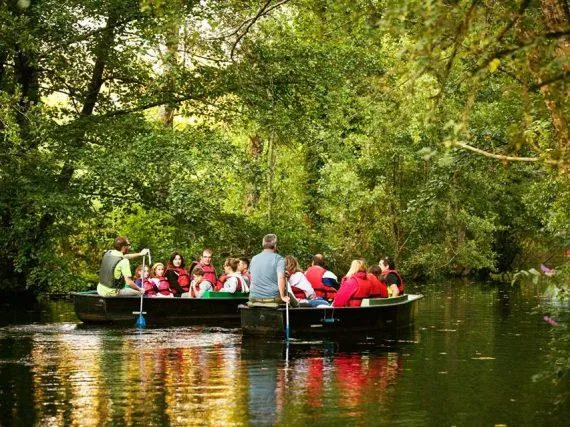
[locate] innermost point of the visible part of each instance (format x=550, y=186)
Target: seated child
x=160, y=282
x=199, y=284
x=234, y=281
x=142, y=281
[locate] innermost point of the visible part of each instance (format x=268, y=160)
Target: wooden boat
x=378, y=315
x=212, y=308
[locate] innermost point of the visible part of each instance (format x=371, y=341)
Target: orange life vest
x=314, y=275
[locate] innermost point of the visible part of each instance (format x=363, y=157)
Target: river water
x=477, y=355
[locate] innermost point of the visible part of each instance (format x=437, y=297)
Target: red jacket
x=314, y=275
x=352, y=291
x=378, y=289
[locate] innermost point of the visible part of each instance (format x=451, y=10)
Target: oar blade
x=140, y=323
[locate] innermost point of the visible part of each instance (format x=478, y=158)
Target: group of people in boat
x=269, y=278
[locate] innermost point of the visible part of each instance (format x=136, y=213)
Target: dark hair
x=120, y=242
x=375, y=270
x=319, y=259
x=389, y=262
x=171, y=261
x=245, y=261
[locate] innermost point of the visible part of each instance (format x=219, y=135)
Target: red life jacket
x=220, y=283
x=400, y=286
x=378, y=289
x=362, y=289
x=183, y=277
x=163, y=285
x=299, y=294
x=209, y=272
x=149, y=288
x=314, y=275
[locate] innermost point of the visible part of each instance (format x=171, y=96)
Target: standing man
x=267, y=270
x=205, y=264
x=115, y=277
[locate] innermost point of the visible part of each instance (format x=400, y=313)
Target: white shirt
x=299, y=280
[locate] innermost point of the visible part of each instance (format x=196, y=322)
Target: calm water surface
x=469, y=360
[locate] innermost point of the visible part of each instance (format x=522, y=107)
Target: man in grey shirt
x=267, y=270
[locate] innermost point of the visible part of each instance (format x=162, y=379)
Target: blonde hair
x=154, y=267
x=291, y=264
x=356, y=266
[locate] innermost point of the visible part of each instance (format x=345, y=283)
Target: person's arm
x=172, y=278
x=136, y=254
x=392, y=282
x=282, y=284
x=131, y=284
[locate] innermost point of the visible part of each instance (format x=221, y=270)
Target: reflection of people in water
x=264, y=361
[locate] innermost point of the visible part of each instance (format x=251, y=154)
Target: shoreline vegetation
x=436, y=133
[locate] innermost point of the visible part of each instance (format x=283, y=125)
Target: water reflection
x=470, y=349
x=315, y=378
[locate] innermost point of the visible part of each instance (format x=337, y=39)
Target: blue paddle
x=141, y=323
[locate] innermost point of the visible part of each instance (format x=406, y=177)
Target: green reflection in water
x=469, y=360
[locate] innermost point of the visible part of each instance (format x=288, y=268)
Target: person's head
x=356, y=266
x=386, y=263
x=157, y=270
x=292, y=265
x=231, y=265
x=206, y=257
x=243, y=265
x=319, y=259
x=375, y=270
x=176, y=260
x=122, y=244
x=139, y=272
x=269, y=241
x=197, y=274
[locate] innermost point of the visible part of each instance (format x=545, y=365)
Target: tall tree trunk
x=313, y=166
x=170, y=63
x=556, y=16
x=272, y=159
x=254, y=193
x=102, y=51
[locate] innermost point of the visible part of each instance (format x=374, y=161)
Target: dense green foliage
x=346, y=127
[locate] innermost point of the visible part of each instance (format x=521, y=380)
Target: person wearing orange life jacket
x=158, y=279
x=234, y=282
x=379, y=288
x=299, y=285
x=354, y=287
x=198, y=285
x=142, y=280
x=177, y=275
x=323, y=281
x=391, y=277
x=205, y=264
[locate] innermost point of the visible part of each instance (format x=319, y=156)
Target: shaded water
x=469, y=360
